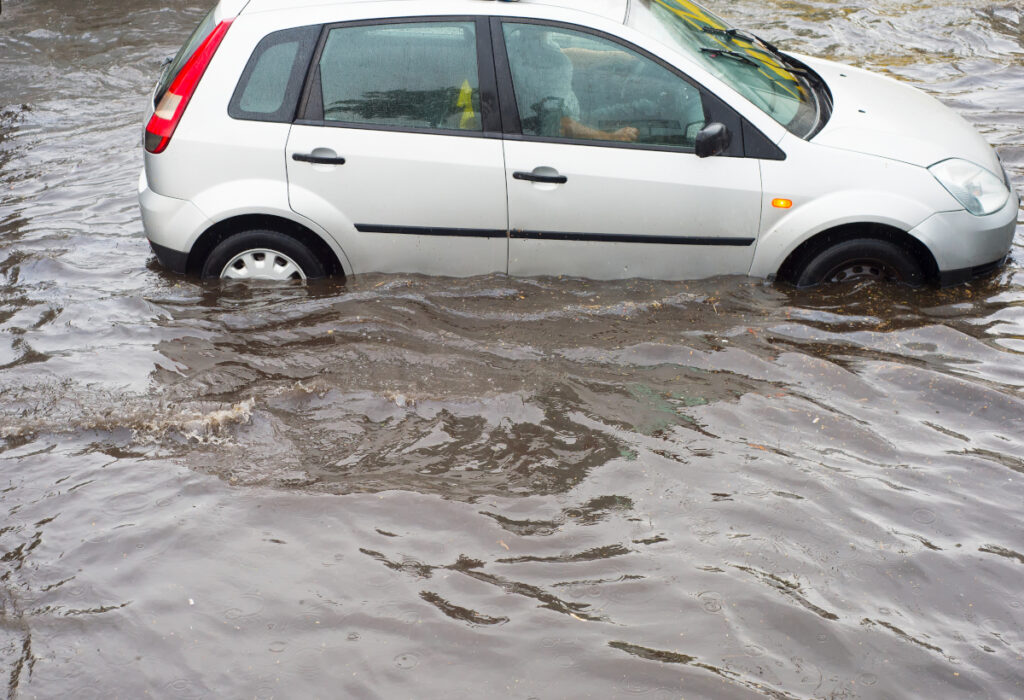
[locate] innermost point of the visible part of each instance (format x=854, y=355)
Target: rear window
x=272, y=81
x=206, y=26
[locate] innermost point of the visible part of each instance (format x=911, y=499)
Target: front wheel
x=860, y=259
x=262, y=255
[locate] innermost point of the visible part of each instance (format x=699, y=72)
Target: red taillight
x=172, y=105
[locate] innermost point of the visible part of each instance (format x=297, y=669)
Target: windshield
x=745, y=63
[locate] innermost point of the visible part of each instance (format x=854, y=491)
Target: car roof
x=614, y=10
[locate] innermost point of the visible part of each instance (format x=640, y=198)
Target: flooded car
x=611, y=139
x=400, y=486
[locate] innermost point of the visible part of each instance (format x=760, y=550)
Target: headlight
x=976, y=188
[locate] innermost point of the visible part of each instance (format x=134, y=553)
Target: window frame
x=311, y=110
x=715, y=110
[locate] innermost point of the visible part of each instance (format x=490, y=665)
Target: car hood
x=883, y=117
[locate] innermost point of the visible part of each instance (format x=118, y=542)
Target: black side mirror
x=712, y=140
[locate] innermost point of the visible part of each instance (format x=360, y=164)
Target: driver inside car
x=543, y=75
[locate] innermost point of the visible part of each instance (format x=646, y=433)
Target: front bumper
x=171, y=225
x=965, y=245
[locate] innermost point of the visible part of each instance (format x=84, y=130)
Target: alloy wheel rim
x=262, y=264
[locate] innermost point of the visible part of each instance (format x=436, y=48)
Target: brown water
x=547, y=488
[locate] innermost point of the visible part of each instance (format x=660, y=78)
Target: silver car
x=293, y=139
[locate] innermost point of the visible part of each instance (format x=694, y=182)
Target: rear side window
x=206, y=26
x=271, y=83
x=419, y=75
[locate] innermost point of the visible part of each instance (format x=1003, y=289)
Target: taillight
x=172, y=105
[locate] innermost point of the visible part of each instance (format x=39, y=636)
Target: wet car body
x=845, y=183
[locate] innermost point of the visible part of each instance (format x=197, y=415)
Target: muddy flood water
x=412, y=487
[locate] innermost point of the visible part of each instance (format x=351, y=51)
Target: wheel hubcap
x=262, y=264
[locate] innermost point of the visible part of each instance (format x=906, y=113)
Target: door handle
x=320, y=160
x=531, y=177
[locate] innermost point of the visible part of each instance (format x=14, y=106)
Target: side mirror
x=712, y=140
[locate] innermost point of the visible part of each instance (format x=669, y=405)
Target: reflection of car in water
x=569, y=137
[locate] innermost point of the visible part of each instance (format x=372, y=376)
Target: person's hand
x=626, y=133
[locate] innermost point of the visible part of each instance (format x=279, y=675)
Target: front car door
x=397, y=152
x=602, y=176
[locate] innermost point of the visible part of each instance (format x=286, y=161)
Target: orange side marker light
x=781, y=203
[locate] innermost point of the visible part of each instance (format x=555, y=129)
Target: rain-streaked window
x=415, y=75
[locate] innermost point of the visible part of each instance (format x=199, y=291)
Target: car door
x=603, y=179
x=397, y=152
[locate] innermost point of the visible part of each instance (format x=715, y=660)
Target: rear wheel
x=262, y=255
x=860, y=259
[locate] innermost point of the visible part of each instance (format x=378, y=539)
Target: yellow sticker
x=466, y=102
x=768, y=66
x=692, y=13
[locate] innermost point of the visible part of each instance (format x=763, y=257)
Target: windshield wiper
x=770, y=49
x=734, y=55
x=734, y=34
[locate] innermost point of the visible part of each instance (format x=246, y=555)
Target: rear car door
x=603, y=179
x=397, y=150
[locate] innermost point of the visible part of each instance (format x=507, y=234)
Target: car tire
x=262, y=255
x=860, y=259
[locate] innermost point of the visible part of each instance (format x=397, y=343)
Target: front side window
x=420, y=75
x=575, y=85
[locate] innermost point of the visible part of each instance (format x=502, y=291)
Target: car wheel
x=262, y=255
x=858, y=260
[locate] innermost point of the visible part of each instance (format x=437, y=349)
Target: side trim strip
x=432, y=231
x=554, y=235
x=630, y=238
